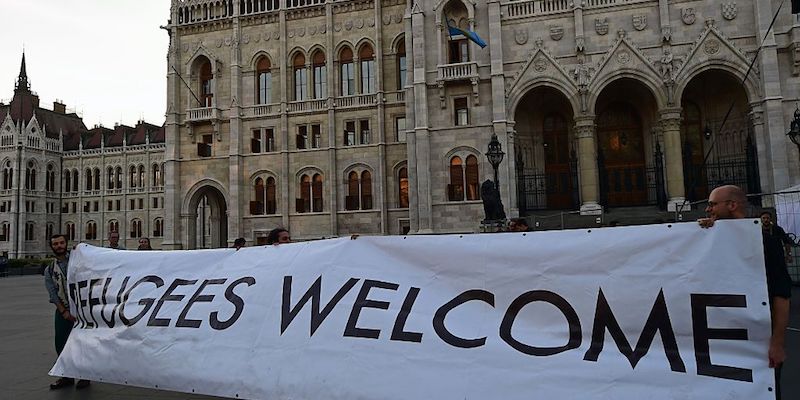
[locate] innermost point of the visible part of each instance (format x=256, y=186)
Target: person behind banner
x=55, y=280
x=239, y=243
x=730, y=202
x=518, y=225
x=144, y=244
x=113, y=241
x=278, y=236
x=777, y=233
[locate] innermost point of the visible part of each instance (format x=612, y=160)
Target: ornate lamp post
x=794, y=130
x=495, y=156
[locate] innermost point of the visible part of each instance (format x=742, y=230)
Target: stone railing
x=589, y=4
x=6, y=192
x=306, y=106
x=395, y=97
x=114, y=191
x=201, y=114
x=361, y=100
x=527, y=8
x=69, y=195
x=263, y=110
x=459, y=71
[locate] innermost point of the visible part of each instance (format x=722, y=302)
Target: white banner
x=649, y=312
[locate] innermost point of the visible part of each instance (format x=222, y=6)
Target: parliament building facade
x=372, y=117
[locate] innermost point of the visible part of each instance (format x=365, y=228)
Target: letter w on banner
x=656, y=312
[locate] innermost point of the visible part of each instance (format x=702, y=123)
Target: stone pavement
x=26, y=350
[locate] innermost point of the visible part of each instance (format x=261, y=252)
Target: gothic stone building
x=335, y=117
x=60, y=177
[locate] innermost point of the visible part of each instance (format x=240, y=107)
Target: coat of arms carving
x=688, y=15
x=601, y=26
x=640, y=22
x=729, y=10
x=521, y=36
x=556, y=32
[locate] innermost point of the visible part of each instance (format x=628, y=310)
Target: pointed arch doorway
x=207, y=219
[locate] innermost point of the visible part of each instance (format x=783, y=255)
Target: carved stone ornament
x=711, y=47
x=729, y=10
x=387, y=19
x=186, y=48
x=666, y=33
x=521, y=36
x=580, y=43
x=228, y=41
x=397, y=18
x=370, y=22
x=796, y=59
x=601, y=26
x=688, y=16
x=301, y=31
x=348, y=24
x=245, y=39
x=276, y=35
x=359, y=23
x=337, y=26
x=639, y=22
x=312, y=30
x=267, y=36
x=218, y=43
x=290, y=33
x=556, y=32
x=539, y=64
x=623, y=57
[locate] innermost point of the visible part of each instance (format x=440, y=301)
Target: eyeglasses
x=715, y=203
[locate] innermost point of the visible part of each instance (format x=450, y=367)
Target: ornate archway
x=206, y=218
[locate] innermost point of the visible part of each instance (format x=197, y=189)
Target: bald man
x=730, y=202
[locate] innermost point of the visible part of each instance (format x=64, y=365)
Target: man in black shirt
x=730, y=202
x=776, y=233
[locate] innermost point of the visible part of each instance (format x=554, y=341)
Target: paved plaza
x=26, y=350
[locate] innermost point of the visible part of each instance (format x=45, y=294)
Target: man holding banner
x=729, y=202
x=55, y=280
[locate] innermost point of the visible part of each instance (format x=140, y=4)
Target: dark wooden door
x=557, y=162
x=694, y=172
x=621, y=144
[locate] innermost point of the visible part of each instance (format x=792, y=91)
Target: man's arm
x=53, y=294
x=780, y=320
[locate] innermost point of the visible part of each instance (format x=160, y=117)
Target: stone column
x=587, y=165
x=421, y=137
x=673, y=157
x=236, y=187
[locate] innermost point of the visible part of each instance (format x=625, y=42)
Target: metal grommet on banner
x=589, y=231
x=524, y=234
x=763, y=303
x=460, y=236
x=756, y=222
x=769, y=389
x=669, y=226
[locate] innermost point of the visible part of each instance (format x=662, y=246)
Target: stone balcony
x=457, y=72
x=203, y=114
x=305, y=106
x=262, y=110
x=361, y=100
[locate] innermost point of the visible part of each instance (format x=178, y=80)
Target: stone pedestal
x=587, y=166
x=673, y=157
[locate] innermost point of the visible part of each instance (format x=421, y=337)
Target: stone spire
x=22, y=80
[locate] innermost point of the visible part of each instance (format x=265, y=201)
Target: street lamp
x=794, y=130
x=495, y=156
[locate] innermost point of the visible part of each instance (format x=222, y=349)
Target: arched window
x=156, y=175
x=366, y=190
x=50, y=181
x=257, y=206
x=351, y=201
x=158, y=227
x=118, y=173
x=455, y=190
x=70, y=231
x=457, y=45
x=272, y=205
x=132, y=180
x=402, y=70
x=136, y=228
x=304, y=201
x=300, y=77
x=320, y=75
x=263, y=81
x=110, y=178
x=206, y=84
x=48, y=231
x=5, y=232
x=402, y=182
x=30, y=231
x=67, y=181
x=348, y=77
x=8, y=175
x=87, y=177
x=113, y=226
x=97, y=179
x=30, y=176
x=91, y=230
x=367, y=58
x=473, y=192
x=316, y=193
x=463, y=179
x=75, y=184
x=141, y=176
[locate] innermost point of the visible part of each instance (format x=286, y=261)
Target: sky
x=105, y=59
